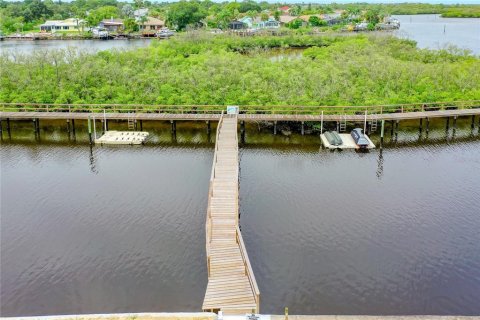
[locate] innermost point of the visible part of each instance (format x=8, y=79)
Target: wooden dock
x=214, y=116
x=232, y=287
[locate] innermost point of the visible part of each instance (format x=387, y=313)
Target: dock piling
x=141, y=125
x=321, y=124
x=174, y=126
x=396, y=129
x=427, y=129
x=420, y=127
x=303, y=128
x=275, y=127
x=208, y=126
x=447, y=124
x=68, y=125
x=89, y=130
x=473, y=122
x=73, y=127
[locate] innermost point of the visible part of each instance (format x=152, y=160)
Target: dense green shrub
x=205, y=69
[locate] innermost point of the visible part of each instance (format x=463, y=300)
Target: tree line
x=18, y=16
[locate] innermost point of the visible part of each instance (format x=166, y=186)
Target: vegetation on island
x=202, y=68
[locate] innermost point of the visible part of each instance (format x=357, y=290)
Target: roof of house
x=286, y=19
x=307, y=16
x=66, y=22
x=112, y=22
x=284, y=8
x=151, y=21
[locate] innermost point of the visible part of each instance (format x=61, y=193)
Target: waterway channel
x=121, y=229
x=429, y=30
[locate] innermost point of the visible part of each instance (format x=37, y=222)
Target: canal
x=428, y=30
x=121, y=229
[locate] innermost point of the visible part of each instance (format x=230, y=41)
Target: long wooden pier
x=23, y=111
x=232, y=287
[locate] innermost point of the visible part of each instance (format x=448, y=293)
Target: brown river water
x=121, y=228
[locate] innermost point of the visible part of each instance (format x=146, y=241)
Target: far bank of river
x=429, y=30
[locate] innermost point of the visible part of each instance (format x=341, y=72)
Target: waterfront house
x=247, y=21
x=112, y=25
x=151, y=25
x=284, y=9
x=271, y=23
x=71, y=24
x=284, y=19
x=236, y=25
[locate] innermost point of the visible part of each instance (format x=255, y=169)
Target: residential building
x=236, y=25
x=271, y=23
x=284, y=9
x=112, y=25
x=151, y=25
x=71, y=24
x=247, y=21
x=284, y=19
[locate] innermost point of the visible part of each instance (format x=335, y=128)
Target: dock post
x=141, y=125
x=303, y=128
x=34, y=125
x=427, y=129
x=392, y=127
x=365, y=123
x=421, y=125
x=1, y=129
x=242, y=131
x=455, y=123
x=68, y=125
x=382, y=132
x=274, y=127
x=321, y=124
x=89, y=131
x=396, y=129
x=448, y=124
x=73, y=127
x=174, y=126
x=208, y=126
x=473, y=122
x=106, y=125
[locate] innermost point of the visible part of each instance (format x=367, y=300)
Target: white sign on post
x=232, y=109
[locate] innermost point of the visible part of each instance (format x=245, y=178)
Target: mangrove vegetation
x=207, y=69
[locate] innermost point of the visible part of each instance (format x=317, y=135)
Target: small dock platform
x=347, y=142
x=123, y=137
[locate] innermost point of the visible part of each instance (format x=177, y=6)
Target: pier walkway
x=25, y=111
x=232, y=287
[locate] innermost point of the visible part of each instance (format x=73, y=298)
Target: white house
x=71, y=24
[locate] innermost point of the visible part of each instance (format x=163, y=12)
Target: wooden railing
x=248, y=268
x=243, y=250
x=208, y=224
x=247, y=109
